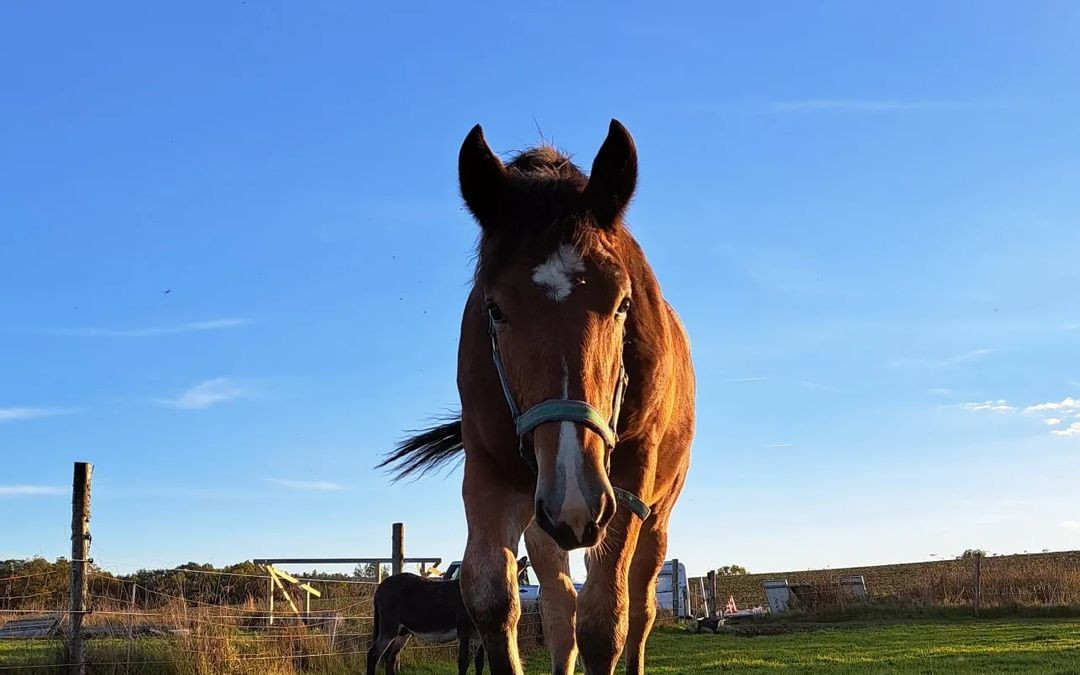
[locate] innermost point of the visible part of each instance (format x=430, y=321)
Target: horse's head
x=556, y=294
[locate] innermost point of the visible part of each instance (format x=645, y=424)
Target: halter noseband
x=565, y=410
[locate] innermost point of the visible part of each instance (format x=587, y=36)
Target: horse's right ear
x=613, y=177
x=482, y=177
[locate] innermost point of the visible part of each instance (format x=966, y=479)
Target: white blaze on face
x=570, y=464
x=556, y=273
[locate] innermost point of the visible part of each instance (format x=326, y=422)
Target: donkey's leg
x=644, y=568
x=558, y=599
x=381, y=641
x=463, y=656
x=602, y=608
x=479, y=657
x=496, y=516
x=393, y=652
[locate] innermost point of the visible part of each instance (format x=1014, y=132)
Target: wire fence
x=188, y=621
x=1034, y=582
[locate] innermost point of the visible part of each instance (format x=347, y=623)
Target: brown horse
x=577, y=406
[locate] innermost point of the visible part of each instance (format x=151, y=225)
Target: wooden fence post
x=676, y=605
x=398, y=549
x=978, y=582
x=714, y=607
x=80, y=558
x=270, y=597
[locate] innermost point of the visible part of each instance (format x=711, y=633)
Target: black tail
x=427, y=451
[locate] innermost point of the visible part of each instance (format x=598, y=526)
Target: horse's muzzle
x=572, y=531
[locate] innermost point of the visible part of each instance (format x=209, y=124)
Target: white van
x=666, y=599
x=530, y=592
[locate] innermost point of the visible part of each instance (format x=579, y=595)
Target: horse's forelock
x=540, y=215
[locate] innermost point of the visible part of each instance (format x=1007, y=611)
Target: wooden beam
x=273, y=575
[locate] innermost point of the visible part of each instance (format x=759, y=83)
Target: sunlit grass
x=970, y=647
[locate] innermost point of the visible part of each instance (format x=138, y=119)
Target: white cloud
x=779, y=445
x=22, y=490
x=1000, y=406
x=24, y=413
x=861, y=105
x=1067, y=404
x=313, y=485
x=747, y=379
x=1072, y=524
x=1071, y=430
x=193, y=327
x=1052, y=421
x=206, y=394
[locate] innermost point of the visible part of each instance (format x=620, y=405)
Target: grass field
x=1037, y=646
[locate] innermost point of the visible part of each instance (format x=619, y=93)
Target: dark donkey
x=577, y=406
x=430, y=609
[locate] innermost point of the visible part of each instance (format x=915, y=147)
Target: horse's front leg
x=645, y=567
x=602, y=607
x=557, y=597
x=496, y=517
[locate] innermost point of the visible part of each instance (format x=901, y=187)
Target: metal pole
x=676, y=605
x=80, y=557
x=398, y=548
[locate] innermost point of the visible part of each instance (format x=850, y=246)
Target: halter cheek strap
x=564, y=410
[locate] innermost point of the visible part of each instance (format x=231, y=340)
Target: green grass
x=970, y=647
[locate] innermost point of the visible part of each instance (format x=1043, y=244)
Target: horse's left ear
x=613, y=177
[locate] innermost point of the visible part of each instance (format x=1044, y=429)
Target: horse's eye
x=495, y=313
x=624, y=306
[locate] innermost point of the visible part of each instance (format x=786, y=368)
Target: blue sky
x=233, y=260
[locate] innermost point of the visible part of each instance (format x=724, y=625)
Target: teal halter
x=565, y=410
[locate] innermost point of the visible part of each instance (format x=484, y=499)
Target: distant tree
x=369, y=571
x=731, y=570
x=972, y=553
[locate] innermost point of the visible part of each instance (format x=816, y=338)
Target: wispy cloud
x=1066, y=405
x=966, y=357
x=941, y=391
x=25, y=413
x=779, y=445
x=747, y=379
x=206, y=394
x=1052, y=421
x=311, y=485
x=853, y=105
x=26, y=490
x=999, y=406
x=818, y=386
x=154, y=331
x=1072, y=524
x=1071, y=430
